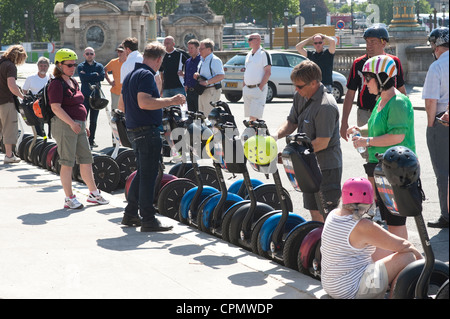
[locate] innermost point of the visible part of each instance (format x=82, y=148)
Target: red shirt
x=71, y=100
x=356, y=82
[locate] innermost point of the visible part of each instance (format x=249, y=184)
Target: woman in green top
x=391, y=123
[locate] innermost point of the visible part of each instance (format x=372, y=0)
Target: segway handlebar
x=299, y=138
x=221, y=104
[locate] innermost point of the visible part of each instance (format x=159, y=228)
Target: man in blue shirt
x=90, y=72
x=190, y=69
x=211, y=69
x=142, y=104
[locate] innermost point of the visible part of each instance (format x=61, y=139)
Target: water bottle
x=360, y=149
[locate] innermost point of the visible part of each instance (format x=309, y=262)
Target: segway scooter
x=227, y=155
x=270, y=230
x=302, y=170
x=195, y=134
x=397, y=179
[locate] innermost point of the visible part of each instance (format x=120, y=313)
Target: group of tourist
x=142, y=84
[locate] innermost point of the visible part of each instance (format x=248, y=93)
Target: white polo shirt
x=254, y=66
x=128, y=65
x=437, y=82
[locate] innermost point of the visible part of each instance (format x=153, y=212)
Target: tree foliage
x=28, y=20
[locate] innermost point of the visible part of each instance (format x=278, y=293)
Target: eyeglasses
x=367, y=78
x=89, y=53
x=301, y=86
x=70, y=65
x=318, y=42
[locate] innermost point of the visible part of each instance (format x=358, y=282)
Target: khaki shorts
x=71, y=146
x=8, y=123
x=374, y=282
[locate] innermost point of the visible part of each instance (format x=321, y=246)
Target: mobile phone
x=441, y=121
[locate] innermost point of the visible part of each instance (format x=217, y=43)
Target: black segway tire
x=22, y=144
x=293, y=243
x=227, y=219
x=234, y=230
x=170, y=196
x=126, y=160
x=106, y=173
x=207, y=174
x=408, y=277
x=180, y=172
x=443, y=291
x=267, y=193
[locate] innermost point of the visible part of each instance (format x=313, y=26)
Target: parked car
x=280, y=84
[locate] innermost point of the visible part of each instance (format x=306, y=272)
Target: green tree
x=166, y=7
x=31, y=20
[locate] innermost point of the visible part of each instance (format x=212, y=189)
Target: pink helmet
x=357, y=190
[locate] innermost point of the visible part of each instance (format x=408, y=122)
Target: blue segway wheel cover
x=271, y=223
x=236, y=186
x=189, y=196
x=209, y=207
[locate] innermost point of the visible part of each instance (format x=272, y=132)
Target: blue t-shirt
x=142, y=79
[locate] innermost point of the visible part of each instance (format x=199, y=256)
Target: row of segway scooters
x=258, y=216
x=249, y=213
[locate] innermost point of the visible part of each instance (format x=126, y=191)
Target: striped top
x=342, y=264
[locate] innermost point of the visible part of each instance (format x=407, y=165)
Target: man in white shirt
x=258, y=67
x=436, y=95
x=130, y=46
x=36, y=82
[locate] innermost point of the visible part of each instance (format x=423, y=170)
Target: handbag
x=198, y=88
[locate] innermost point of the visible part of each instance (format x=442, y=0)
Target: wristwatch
x=368, y=142
x=207, y=83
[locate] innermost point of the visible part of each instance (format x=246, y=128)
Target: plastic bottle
x=360, y=149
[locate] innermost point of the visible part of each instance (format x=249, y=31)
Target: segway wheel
x=235, y=227
x=43, y=156
x=267, y=193
x=294, y=241
x=22, y=144
x=409, y=276
x=443, y=291
x=127, y=164
x=307, y=255
x=49, y=158
x=36, y=151
x=106, y=173
x=207, y=174
x=178, y=170
x=170, y=196
x=227, y=219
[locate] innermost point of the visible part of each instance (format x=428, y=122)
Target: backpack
x=41, y=106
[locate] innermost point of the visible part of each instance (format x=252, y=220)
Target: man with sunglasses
x=258, y=67
x=315, y=113
x=324, y=58
x=91, y=72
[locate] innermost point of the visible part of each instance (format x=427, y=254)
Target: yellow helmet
x=261, y=150
x=65, y=55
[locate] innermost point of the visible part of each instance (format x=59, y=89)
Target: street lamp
x=313, y=10
x=285, y=21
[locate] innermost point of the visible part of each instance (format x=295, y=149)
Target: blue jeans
x=173, y=92
x=437, y=140
x=147, y=148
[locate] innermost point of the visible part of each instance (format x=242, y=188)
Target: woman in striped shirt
x=359, y=258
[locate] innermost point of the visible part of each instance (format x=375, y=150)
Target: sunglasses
x=70, y=65
x=251, y=39
x=367, y=78
x=301, y=86
x=318, y=42
x=89, y=53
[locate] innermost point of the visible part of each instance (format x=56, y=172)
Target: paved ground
x=49, y=252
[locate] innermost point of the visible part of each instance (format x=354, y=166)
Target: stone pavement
x=49, y=252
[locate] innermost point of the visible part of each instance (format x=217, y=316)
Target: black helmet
x=97, y=99
x=439, y=36
x=377, y=31
x=401, y=166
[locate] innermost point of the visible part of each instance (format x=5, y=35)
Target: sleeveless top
x=342, y=264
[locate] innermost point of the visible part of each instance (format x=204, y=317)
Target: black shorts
x=391, y=219
x=330, y=189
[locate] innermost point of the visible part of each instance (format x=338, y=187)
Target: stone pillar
x=152, y=22
x=404, y=31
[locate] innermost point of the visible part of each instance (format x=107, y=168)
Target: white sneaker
x=11, y=160
x=97, y=199
x=72, y=203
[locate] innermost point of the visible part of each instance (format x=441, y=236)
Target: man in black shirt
x=172, y=69
x=324, y=58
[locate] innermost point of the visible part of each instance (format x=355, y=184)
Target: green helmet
x=65, y=55
x=261, y=150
